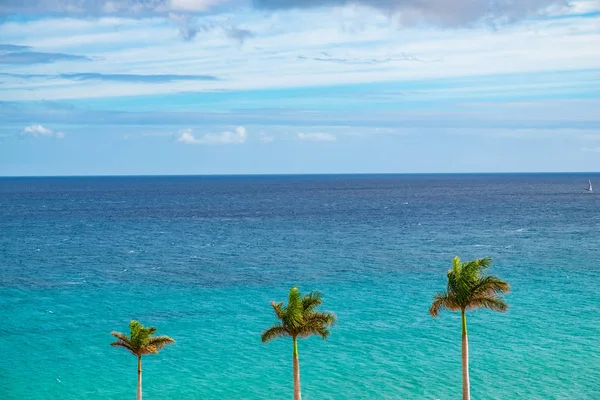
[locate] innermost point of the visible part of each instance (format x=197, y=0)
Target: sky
x=128, y=87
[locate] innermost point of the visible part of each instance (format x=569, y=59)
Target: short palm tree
x=470, y=288
x=139, y=343
x=299, y=319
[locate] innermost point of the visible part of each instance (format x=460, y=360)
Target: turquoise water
x=200, y=258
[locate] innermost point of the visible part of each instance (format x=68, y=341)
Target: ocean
x=200, y=258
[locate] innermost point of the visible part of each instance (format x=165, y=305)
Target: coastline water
x=201, y=257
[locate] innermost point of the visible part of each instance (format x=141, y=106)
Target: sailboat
x=589, y=189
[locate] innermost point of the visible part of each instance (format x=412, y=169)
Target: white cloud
x=36, y=130
x=321, y=137
x=39, y=130
x=591, y=149
x=186, y=136
x=239, y=136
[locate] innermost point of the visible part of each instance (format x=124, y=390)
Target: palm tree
x=469, y=288
x=140, y=342
x=299, y=319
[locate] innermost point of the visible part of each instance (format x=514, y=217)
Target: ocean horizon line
x=317, y=174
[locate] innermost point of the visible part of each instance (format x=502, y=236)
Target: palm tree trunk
x=139, y=385
x=465, y=360
x=297, y=393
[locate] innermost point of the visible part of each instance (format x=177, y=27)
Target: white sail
x=589, y=188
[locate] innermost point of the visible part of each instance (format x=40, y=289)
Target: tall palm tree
x=299, y=319
x=470, y=288
x=140, y=342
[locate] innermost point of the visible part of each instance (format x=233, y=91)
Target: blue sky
x=298, y=86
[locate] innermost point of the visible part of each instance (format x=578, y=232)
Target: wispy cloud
x=188, y=26
x=134, y=78
x=87, y=8
x=13, y=47
x=321, y=137
x=433, y=12
x=34, y=57
x=12, y=54
x=238, y=34
x=156, y=78
x=239, y=136
x=39, y=130
x=326, y=57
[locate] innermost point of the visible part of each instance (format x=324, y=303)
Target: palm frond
x=293, y=311
x=124, y=345
x=472, y=269
x=135, y=326
x=491, y=285
x=279, y=310
x=489, y=302
x=464, y=275
x=120, y=336
x=138, y=335
x=457, y=288
x=274, y=332
x=456, y=263
x=160, y=341
x=308, y=329
x=316, y=324
x=324, y=317
x=442, y=301
x=294, y=298
x=147, y=349
x=484, y=263
x=323, y=332
x=456, y=266
x=122, y=341
x=311, y=301
x=453, y=275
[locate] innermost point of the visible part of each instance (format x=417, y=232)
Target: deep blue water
x=201, y=257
